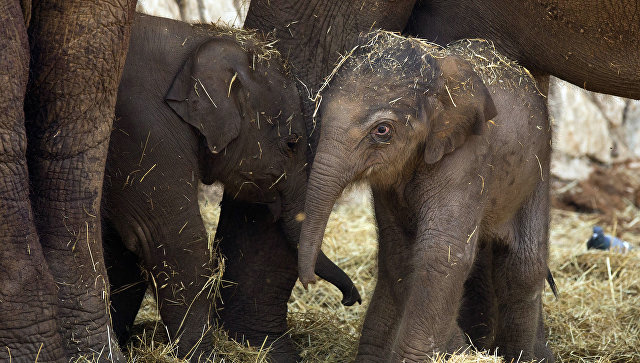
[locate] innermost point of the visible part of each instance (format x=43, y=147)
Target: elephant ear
x=207, y=93
x=460, y=107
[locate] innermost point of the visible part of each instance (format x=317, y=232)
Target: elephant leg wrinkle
x=78, y=52
x=28, y=301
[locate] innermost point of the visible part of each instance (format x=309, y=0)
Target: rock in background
x=591, y=127
x=231, y=12
x=596, y=154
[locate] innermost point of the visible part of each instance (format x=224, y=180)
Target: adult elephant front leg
x=77, y=55
x=27, y=292
x=260, y=272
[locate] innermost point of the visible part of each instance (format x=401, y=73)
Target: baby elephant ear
x=202, y=95
x=460, y=107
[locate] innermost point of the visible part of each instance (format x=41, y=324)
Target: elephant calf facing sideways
x=455, y=143
x=201, y=103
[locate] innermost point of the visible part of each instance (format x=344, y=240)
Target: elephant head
x=247, y=113
x=239, y=97
x=394, y=104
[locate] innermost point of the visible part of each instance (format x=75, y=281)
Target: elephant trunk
x=291, y=219
x=292, y=194
x=326, y=183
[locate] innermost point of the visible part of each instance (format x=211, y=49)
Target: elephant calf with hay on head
x=455, y=143
x=203, y=103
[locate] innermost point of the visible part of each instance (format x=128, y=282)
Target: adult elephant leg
x=260, y=272
x=27, y=293
x=520, y=269
x=77, y=55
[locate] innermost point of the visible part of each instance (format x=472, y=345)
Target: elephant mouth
x=253, y=191
x=275, y=207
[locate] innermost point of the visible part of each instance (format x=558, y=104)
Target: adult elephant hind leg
x=28, y=328
x=260, y=271
x=77, y=55
x=520, y=269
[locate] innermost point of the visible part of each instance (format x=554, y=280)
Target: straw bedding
x=595, y=319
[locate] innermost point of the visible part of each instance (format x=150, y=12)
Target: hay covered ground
x=595, y=319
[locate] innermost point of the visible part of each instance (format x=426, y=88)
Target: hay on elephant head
x=410, y=62
x=259, y=45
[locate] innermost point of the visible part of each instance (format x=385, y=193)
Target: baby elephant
x=455, y=143
x=201, y=103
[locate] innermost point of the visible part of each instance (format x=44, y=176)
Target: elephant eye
x=382, y=132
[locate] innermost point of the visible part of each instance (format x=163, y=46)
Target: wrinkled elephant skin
x=26, y=285
x=54, y=278
x=591, y=43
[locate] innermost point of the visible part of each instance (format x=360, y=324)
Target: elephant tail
x=552, y=283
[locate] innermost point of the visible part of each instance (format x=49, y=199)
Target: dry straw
x=589, y=322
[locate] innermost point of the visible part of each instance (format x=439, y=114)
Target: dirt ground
x=596, y=317
x=611, y=191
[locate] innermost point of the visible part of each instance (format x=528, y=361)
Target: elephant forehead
x=345, y=109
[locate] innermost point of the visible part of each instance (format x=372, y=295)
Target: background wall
x=591, y=128
x=231, y=12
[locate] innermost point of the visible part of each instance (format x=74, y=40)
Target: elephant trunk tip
x=352, y=297
x=307, y=266
x=306, y=275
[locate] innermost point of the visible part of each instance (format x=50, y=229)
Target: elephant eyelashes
x=382, y=133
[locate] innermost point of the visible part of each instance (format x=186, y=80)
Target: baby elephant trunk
x=292, y=218
x=326, y=182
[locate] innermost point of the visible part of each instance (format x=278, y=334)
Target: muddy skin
x=439, y=133
x=205, y=104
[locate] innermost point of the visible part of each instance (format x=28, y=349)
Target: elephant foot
x=102, y=351
x=284, y=351
x=457, y=343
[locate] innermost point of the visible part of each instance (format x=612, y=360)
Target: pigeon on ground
x=601, y=241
